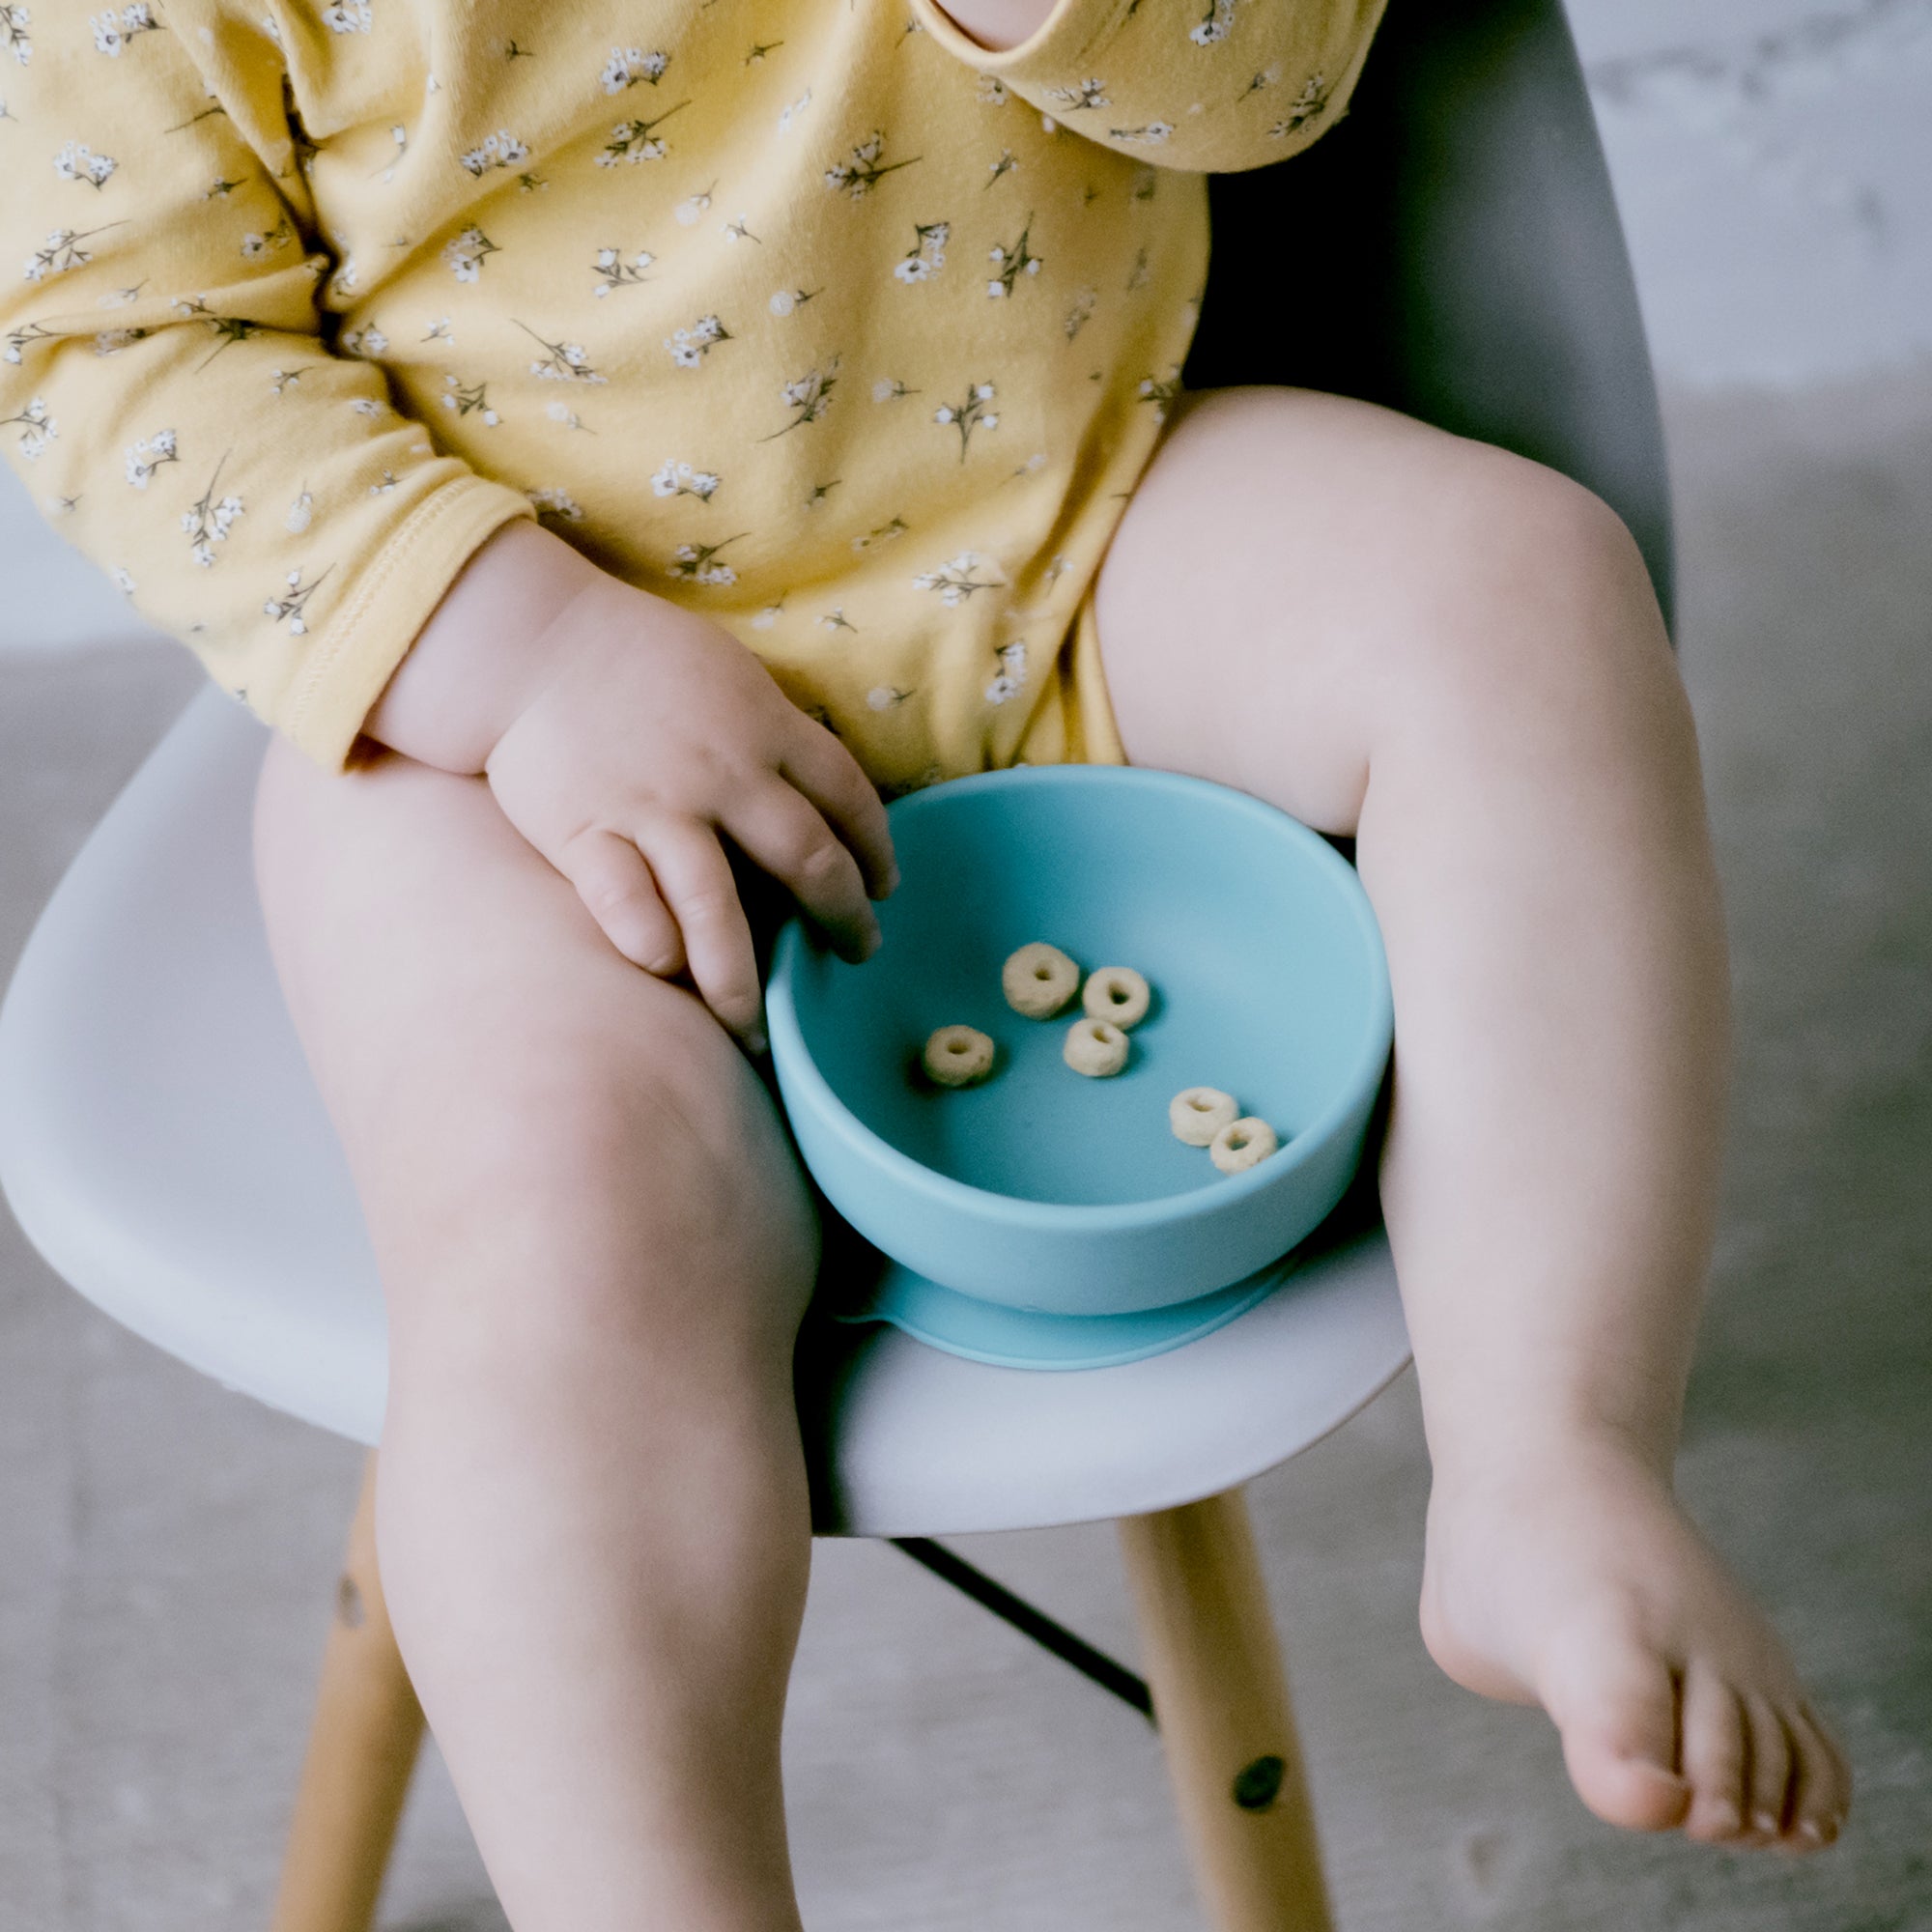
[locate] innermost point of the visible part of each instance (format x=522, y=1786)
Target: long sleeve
x=168, y=391
x=1207, y=86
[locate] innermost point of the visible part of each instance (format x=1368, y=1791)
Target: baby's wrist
x=474, y=665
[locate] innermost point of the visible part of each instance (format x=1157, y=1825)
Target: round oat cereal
x=1197, y=1114
x=959, y=1056
x=1117, y=994
x=1095, y=1047
x=1242, y=1143
x=1038, y=979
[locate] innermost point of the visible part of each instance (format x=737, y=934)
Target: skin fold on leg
x=1454, y=656
x=596, y=1248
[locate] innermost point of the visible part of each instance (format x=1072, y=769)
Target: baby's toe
x=1616, y=1704
x=1771, y=1766
x=1716, y=1758
x=1821, y=1782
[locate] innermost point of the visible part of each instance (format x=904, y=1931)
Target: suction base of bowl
x=1013, y=1338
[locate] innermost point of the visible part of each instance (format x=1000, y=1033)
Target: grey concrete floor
x=169, y=1548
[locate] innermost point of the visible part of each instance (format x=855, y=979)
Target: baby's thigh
x=1301, y=578
x=510, y=1092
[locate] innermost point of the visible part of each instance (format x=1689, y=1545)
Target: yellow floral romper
x=811, y=315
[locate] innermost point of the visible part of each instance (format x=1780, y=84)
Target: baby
x=601, y=438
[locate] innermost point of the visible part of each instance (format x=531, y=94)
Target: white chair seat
x=163, y=1146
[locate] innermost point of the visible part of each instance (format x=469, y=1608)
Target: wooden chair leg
x=361, y=1749
x=1220, y=1696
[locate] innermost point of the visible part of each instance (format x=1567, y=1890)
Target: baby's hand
x=656, y=732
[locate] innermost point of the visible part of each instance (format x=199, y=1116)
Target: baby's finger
x=615, y=885
x=830, y=778
x=695, y=878
x=780, y=832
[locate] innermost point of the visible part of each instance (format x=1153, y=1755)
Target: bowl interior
x=1253, y=933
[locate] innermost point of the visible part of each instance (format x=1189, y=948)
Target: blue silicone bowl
x=1041, y=1189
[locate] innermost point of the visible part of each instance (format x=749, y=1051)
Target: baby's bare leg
x=1456, y=656
x=596, y=1248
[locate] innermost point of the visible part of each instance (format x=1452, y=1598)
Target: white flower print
x=1089, y=93
x=566, y=362
x=293, y=600
x=301, y=513
x=13, y=37
x=690, y=210
x=810, y=395
x=1012, y=261
x=385, y=484
x=464, y=397
x=1265, y=77
x=1160, y=393
x=439, y=330
x=1216, y=27
x=858, y=176
x=281, y=381
x=1004, y=166
x=1012, y=675
x=927, y=254
x=272, y=27
x=954, y=581
x=367, y=341
x=111, y=341
x=835, y=619
x=1078, y=315
x=792, y=110
x=737, y=231
x=992, y=90
x=37, y=429
x=62, y=251
x=562, y=413
x=367, y=406
x=634, y=141
x=78, y=162
x=464, y=255
x=890, y=388
x=348, y=16
x=688, y=347
x=886, y=697
x=786, y=301
x=209, y=522
x=113, y=30
x=614, y=273
x=500, y=150
x=557, y=503
x=682, y=479
x=628, y=66
x=691, y=563
x=124, y=581
x=884, y=534
x=1310, y=102
x=969, y=415
x=769, y=614
x=18, y=339
x=256, y=247
x=1154, y=133
x=147, y=454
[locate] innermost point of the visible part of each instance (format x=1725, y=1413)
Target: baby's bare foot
x=1580, y=1585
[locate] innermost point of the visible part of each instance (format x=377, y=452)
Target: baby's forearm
x=998, y=25
x=476, y=664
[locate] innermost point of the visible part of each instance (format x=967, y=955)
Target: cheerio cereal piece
x=1038, y=979
x=1095, y=1047
x=1116, y=993
x=1197, y=1114
x=1240, y=1143
x=959, y=1056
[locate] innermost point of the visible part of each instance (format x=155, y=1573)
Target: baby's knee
x=649, y=1195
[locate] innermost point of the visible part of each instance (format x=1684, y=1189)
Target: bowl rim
x=1087, y=1218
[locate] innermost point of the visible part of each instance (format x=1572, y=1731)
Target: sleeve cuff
x=370, y=634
